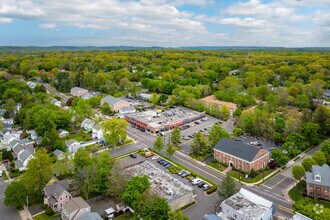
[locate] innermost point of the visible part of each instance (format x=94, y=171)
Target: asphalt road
x=6, y=213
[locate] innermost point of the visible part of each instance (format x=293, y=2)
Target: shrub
x=49, y=211
x=212, y=190
x=44, y=206
x=254, y=173
x=214, y=161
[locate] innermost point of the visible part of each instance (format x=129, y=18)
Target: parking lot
x=258, y=142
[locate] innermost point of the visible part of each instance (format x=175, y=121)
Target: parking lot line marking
x=266, y=186
x=198, y=168
x=279, y=182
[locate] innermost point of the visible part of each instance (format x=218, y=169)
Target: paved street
x=6, y=213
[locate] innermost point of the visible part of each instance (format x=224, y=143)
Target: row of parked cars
x=194, y=180
x=165, y=163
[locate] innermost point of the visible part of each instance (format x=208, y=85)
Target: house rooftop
x=75, y=203
x=57, y=152
x=56, y=189
x=97, y=127
x=91, y=216
x=237, y=149
x=70, y=141
x=110, y=100
x=248, y=204
x=299, y=216
x=323, y=171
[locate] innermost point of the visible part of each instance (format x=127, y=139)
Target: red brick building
x=241, y=156
x=318, y=182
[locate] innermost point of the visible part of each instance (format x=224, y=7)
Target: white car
x=154, y=158
x=196, y=181
x=0, y=173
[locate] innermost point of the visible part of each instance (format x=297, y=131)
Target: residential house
x=115, y=103
x=72, y=145
x=76, y=91
x=90, y=216
x=32, y=85
x=90, y=95
x=24, y=154
x=74, y=209
x=145, y=96
x=318, y=182
x=56, y=103
x=56, y=194
x=59, y=154
x=246, y=205
x=62, y=133
x=326, y=94
x=17, y=134
x=9, y=121
x=97, y=131
x=87, y=124
x=33, y=134
x=211, y=217
x=242, y=156
x=127, y=110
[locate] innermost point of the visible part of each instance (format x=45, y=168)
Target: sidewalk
x=25, y=214
x=285, y=192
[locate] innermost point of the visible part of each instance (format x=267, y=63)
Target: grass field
x=43, y=216
x=80, y=136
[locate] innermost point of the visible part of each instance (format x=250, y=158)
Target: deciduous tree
x=159, y=144
x=170, y=150
x=176, y=136
x=114, y=131
x=298, y=172
x=15, y=194
x=319, y=158
x=216, y=133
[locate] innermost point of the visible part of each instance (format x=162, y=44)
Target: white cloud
x=245, y=22
x=259, y=9
x=48, y=26
x=5, y=20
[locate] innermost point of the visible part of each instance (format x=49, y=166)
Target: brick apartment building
x=241, y=156
x=318, y=182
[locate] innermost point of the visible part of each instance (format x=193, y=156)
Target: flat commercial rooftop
x=162, y=183
x=157, y=119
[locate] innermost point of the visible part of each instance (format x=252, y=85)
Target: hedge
x=212, y=189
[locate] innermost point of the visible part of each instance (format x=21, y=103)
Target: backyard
x=43, y=216
x=80, y=136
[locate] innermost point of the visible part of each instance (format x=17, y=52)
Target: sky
x=166, y=23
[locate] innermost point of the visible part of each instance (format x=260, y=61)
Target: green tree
x=319, y=158
x=38, y=172
x=105, y=108
x=114, y=131
x=225, y=113
x=10, y=107
x=135, y=187
x=117, y=182
x=1, y=125
x=170, y=150
x=103, y=163
x=308, y=163
x=310, y=132
x=81, y=159
x=298, y=172
x=163, y=98
x=159, y=144
x=322, y=118
x=216, y=134
x=176, y=136
x=280, y=158
x=178, y=215
x=200, y=145
x=15, y=194
x=228, y=187
x=326, y=150
x=152, y=207
x=154, y=99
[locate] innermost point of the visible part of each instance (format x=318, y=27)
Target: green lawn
x=216, y=166
x=297, y=191
x=80, y=136
x=126, y=216
x=238, y=176
x=4, y=175
x=198, y=157
x=43, y=216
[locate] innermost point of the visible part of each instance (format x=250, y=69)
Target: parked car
x=0, y=173
x=160, y=160
x=181, y=172
x=165, y=163
x=133, y=156
x=201, y=184
x=206, y=187
x=192, y=178
x=154, y=157
x=185, y=174
x=196, y=181
x=169, y=165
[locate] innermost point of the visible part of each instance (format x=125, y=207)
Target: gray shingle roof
x=237, y=149
x=110, y=100
x=75, y=204
x=56, y=189
x=25, y=154
x=18, y=164
x=323, y=171
x=128, y=109
x=91, y=216
x=57, y=152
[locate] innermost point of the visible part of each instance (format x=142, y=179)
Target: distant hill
x=77, y=48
